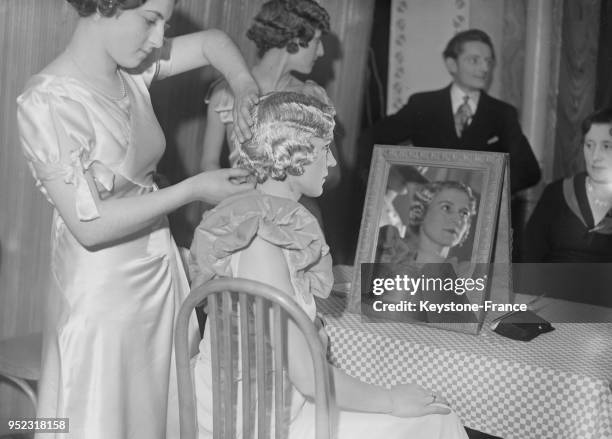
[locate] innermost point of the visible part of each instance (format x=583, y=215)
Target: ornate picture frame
x=387, y=231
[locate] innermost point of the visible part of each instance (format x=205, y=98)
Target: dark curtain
x=375, y=101
x=603, y=88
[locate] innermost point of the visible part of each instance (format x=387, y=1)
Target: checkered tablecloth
x=556, y=386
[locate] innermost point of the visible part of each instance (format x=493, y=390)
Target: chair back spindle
x=248, y=327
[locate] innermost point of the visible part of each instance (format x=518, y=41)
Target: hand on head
x=244, y=102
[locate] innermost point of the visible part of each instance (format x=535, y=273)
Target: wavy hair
x=455, y=45
x=106, y=8
x=287, y=23
x=284, y=123
x=425, y=194
x=599, y=117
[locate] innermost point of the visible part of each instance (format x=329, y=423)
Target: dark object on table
x=475, y=434
x=522, y=325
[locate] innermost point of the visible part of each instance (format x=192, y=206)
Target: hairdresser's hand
x=245, y=98
x=412, y=400
x=214, y=186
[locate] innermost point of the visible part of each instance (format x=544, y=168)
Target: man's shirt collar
x=457, y=95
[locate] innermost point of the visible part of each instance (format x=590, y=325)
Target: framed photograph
x=428, y=235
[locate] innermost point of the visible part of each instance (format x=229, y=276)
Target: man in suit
x=462, y=115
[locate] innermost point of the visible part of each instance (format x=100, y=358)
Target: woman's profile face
x=598, y=152
x=310, y=183
x=447, y=217
x=303, y=60
x=132, y=34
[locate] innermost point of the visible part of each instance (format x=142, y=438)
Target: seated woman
x=572, y=221
x=440, y=216
x=265, y=235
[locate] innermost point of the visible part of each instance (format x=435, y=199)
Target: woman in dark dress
x=572, y=222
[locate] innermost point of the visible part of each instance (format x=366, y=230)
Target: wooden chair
x=261, y=307
x=20, y=359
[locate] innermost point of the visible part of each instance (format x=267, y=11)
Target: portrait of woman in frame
x=428, y=229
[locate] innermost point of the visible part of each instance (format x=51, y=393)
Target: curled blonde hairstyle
x=425, y=194
x=283, y=125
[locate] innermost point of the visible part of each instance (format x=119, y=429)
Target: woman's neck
x=272, y=72
x=282, y=189
x=430, y=251
x=599, y=195
x=87, y=52
x=600, y=189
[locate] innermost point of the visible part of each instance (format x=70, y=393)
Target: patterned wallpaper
x=419, y=31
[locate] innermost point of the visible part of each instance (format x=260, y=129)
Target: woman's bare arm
x=266, y=263
x=121, y=217
x=214, y=136
x=214, y=47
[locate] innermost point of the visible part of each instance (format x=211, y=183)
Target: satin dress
x=108, y=362
x=217, y=245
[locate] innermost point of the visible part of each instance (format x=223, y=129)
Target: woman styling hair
x=92, y=141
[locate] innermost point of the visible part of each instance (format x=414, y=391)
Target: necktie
x=463, y=116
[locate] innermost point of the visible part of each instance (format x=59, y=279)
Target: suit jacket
x=427, y=120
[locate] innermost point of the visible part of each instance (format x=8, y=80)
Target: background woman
x=572, y=221
x=267, y=236
x=92, y=141
x=287, y=34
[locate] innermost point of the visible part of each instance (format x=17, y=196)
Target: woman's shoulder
x=49, y=86
x=284, y=223
x=50, y=104
x=564, y=189
x=270, y=212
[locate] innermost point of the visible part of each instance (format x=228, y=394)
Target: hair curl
x=287, y=23
x=455, y=45
x=425, y=194
x=284, y=123
x=106, y=8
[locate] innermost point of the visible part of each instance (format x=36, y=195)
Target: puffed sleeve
x=220, y=95
x=57, y=137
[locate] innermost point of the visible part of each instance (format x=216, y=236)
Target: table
x=556, y=386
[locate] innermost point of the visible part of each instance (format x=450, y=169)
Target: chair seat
x=21, y=356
